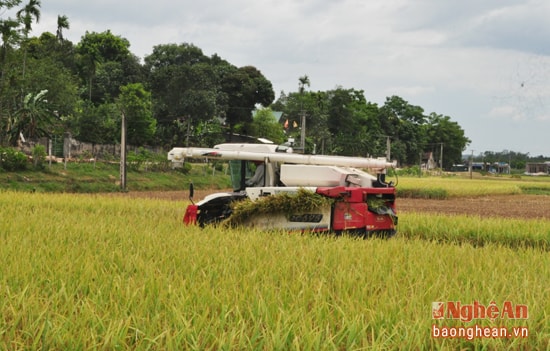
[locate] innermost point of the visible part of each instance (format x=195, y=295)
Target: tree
x=8, y=4
x=98, y=124
x=95, y=49
x=303, y=81
x=25, y=16
x=174, y=70
x=245, y=87
x=135, y=102
x=185, y=89
x=62, y=23
x=352, y=121
x=8, y=30
x=314, y=105
x=34, y=119
x=404, y=123
x=441, y=130
x=265, y=125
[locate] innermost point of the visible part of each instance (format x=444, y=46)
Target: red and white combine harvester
x=358, y=202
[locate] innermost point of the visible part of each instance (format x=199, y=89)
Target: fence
x=67, y=147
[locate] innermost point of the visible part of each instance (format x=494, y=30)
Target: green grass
x=105, y=177
x=89, y=272
x=536, y=189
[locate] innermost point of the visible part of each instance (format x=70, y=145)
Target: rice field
x=90, y=272
x=444, y=187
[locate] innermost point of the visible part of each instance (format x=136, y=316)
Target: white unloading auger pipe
x=179, y=154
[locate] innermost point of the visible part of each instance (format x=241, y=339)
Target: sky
x=485, y=64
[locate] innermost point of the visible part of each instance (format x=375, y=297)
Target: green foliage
x=185, y=168
x=39, y=156
x=218, y=165
x=135, y=102
x=539, y=189
x=244, y=88
x=12, y=160
x=146, y=160
x=100, y=176
x=265, y=125
x=98, y=124
x=190, y=89
x=409, y=171
x=185, y=86
x=353, y=123
x=204, y=133
x=95, y=49
x=441, y=129
x=136, y=159
x=34, y=119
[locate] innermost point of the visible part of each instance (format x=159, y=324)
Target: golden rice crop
x=95, y=272
x=476, y=230
x=455, y=187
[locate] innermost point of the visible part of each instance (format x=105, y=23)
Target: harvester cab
x=357, y=200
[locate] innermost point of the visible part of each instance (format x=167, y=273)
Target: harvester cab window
x=246, y=174
x=259, y=174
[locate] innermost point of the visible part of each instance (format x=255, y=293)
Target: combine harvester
x=355, y=201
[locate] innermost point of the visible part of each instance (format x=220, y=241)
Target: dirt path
x=508, y=206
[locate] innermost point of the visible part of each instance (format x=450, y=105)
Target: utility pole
x=441, y=157
x=388, y=146
x=303, y=81
x=303, y=133
x=123, y=153
x=188, y=130
x=50, y=153
x=471, y=163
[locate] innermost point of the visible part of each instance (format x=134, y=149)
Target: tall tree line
x=179, y=96
x=342, y=121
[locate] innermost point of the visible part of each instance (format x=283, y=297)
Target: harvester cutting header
x=357, y=200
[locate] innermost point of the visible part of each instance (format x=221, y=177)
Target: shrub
x=39, y=156
x=409, y=171
x=12, y=160
x=136, y=159
x=185, y=168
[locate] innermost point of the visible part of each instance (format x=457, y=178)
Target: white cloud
x=506, y=112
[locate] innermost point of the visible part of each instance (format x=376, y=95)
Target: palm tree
x=27, y=13
x=34, y=119
x=62, y=23
x=25, y=16
x=8, y=31
x=303, y=81
x=9, y=35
